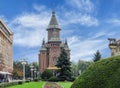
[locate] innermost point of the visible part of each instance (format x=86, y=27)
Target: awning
x=5, y=73
x=53, y=68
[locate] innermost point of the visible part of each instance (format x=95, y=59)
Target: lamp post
x=24, y=63
x=31, y=68
x=35, y=71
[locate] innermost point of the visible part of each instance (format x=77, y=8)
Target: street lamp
x=24, y=62
x=31, y=68
x=35, y=71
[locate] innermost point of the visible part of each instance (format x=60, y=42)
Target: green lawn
x=65, y=84
x=29, y=85
x=40, y=85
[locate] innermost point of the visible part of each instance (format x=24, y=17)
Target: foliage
x=8, y=84
x=78, y=68
x=18, y=69
x=83, y=65
x=101, y=74
x=46, y=74
x=97, y=56
x=20, y=82
x=65, y=66
x=74, y=69
x=71, y=79
x=36, y=80
x=53, y=79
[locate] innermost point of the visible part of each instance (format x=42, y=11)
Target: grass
x=29, y=85
x=40, y=85
x=65, y=84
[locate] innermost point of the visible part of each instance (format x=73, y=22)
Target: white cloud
x=39, y=7
x=82, y=5
x=29, y=29
x=78, y=18
x=82, y=13
x=114, y=21
x=84, y=49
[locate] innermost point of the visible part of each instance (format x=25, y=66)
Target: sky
x=86, y=24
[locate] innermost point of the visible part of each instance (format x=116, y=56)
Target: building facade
x=6, y=42
x=50, y=50
x=114, y=46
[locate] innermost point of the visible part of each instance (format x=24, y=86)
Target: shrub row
x=56, y=79
x=7, y=84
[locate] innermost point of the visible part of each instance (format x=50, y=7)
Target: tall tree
x=74, y=69
x=97, y=56
x=65, y=66
x=82, y=65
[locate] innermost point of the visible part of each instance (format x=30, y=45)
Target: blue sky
x=86, y=24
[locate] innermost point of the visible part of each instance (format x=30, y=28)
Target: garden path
x=52, y=85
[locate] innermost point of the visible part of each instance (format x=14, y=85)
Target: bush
x=20, y=82
x=71, y=79
x=53, y=79
x=36, y=80
x=62, y=78
x=47, y=74
x=102, y=74
x=27, y=81
x=4, y=85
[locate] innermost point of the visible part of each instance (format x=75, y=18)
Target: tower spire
x=53, y=22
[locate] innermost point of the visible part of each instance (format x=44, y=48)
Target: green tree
x=47, y=74
x=65, y=66
x=82, y=65
x=97, y=56
x=74, y=69
x=17, y=70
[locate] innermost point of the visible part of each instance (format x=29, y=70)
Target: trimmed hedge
x=102, y=74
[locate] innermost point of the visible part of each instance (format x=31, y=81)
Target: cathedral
x=114, y=46
x=50, y=50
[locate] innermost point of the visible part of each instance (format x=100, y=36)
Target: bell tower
x=54, y=41
x=50, y=50
x=53, y=29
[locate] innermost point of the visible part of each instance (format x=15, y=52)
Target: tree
x=97, y=56
x=46, y=74
x=65, y=66
x=17, y=70
x=82, y=65
x=74, y=69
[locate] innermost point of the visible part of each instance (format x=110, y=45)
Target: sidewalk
x=52, y=85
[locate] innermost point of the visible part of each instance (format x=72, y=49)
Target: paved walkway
x=52, y=85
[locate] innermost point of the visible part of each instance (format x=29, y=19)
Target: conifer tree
x=65, y=66
x=97, y=56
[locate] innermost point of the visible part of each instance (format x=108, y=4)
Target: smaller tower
x=43, y=57
x=66, y=47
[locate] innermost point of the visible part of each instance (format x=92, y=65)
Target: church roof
x=53, y=22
